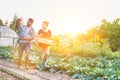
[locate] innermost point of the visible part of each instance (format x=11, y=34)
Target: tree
x=111, y=32
x=1, y=22
x=12, y=24
x=114, y=35
x=6, y=23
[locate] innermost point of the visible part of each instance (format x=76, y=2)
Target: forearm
x=38, y=35
x=25, y=38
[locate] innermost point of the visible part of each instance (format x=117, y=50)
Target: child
x=19, y=30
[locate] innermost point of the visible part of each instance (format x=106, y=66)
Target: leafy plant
x=90, y=68
x=5, y=52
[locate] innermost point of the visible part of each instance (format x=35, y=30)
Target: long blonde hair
x=17, y=23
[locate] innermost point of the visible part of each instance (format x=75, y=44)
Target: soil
x=7, y=76
x=31, y=73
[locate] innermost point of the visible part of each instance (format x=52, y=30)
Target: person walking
x=24, y=42
x=43, y=48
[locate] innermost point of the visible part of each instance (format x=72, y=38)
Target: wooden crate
x=44, y=41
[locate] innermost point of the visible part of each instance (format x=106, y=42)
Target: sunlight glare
x=71, y=25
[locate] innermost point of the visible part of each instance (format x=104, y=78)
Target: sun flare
x=72, y=26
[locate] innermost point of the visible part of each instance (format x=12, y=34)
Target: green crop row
x=88, y=61
x=86, y=68
x=5, y=52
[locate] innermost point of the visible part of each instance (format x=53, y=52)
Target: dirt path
x=30, y=74
x=5, y=76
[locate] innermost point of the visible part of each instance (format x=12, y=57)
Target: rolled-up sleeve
x=33, y=33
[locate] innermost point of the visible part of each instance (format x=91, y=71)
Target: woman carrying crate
x=43, y=35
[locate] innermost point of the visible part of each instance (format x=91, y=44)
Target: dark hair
x=31, y=20
x=17, y=23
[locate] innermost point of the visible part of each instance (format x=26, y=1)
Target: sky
x=63, y=15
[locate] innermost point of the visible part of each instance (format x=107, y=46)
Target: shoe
x=32, y=49
x=42, y=67
x=26, y=67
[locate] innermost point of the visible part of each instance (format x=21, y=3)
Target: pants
x=24, y=47
x=43, y=54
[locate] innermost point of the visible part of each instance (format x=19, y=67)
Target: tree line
x=11, y=24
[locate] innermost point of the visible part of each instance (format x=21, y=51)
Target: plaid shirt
x=27, y=32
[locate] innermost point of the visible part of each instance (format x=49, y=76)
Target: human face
x=29, y=24
x=19, y=21
x=44, y=26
